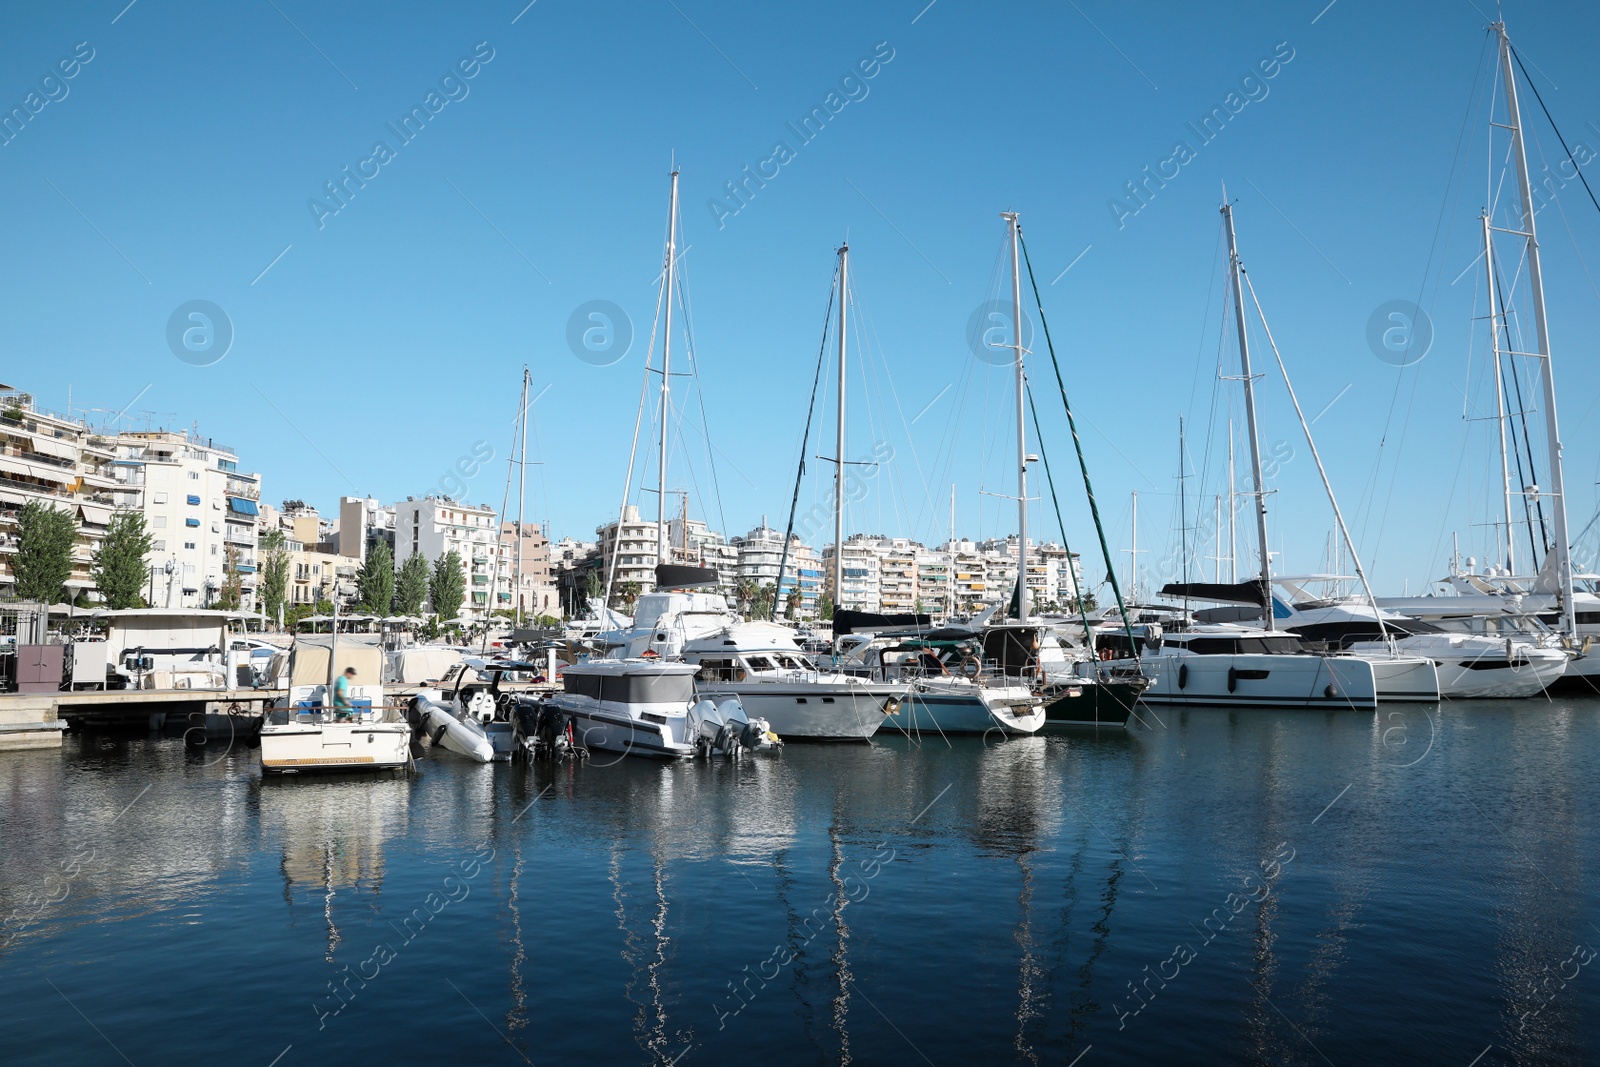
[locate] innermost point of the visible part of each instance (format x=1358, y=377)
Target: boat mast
x=1133, y=553
x=1022, y=422
x=838, y=454
x=1499, y=392
x=1260, y=493
x=1542, y=331
x=1233, y=517
x=522, y=490
x=666, y=374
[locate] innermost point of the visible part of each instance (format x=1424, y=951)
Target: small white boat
x=304, y=734
x=643, y=707
x=470, y=714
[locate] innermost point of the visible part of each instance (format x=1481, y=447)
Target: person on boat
x=342, y=707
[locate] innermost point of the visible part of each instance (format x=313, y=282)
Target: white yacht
x=763, y=665
x=644, y=707
x=303, y=734
x=1240, y=666
x=1466, y=665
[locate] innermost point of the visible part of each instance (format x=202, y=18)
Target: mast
x=1260, y=494
x=522, y=491
x=1022, y=422
x=1133, y=553
x=666, y=373
x=1542, y=331
x=838, y=455
x=1499, y=392
x=950, y=575
x=1233, y=518
x=1183, y=503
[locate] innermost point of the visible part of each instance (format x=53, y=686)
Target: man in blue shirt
x=342, y=708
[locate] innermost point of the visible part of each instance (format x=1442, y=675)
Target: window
x=213, y=550
x=159, y=522
x=193, y=499
x=158, y=546
x=190, y=546
x=161, y=498
x=194, y=476
x=191, y=522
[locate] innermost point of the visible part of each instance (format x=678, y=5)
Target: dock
x=37, y=720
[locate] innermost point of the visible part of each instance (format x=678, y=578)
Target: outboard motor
x=414, y=719
x=745, y=734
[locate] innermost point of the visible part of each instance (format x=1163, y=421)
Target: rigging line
x=1088, y=488
x=1317, y=459
x=700, y=397
x=633, y=450
x=1533, y=472
x=1518, y=57
x=1428, y=266
x=805, y=437
x=916, y=460
x=1566, y=224
x=1055, y=503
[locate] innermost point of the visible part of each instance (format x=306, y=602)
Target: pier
x=37, y=720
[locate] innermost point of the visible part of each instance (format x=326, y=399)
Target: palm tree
x=746, y=592
x=792, y=604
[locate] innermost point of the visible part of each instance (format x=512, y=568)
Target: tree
x=825, y=606
x=762, y=607
x=232, y=595
x=628, y=594
x=411, y=588
x=274, y=573
x=119, y=569
x=43, y=562
x=745, y=591
x=792, y=604
x=448, y=587
x=375, y=579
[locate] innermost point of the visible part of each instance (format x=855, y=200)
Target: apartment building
x=628, y=549
x=362, y=523
x=60, y=461
x=535, y=594
x=201, y=512
x=761, y=553
x=436, y=525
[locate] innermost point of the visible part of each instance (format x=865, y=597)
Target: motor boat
x=764, y=666
x=470, y=712
x=645, y=707
x=303, y=733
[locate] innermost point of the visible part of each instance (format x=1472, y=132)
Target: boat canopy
x=1251, y=592
x=849, y=622
x=310, y=659
x=678, y=576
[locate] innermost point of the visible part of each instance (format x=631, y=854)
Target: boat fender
x=439, y=733
x=1233, y=679
x=970, y=666
x=1183, y=675
x=1328, y=691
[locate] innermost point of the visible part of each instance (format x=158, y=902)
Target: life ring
x=1233, y=678
x=971, y=667
x=1183, y=675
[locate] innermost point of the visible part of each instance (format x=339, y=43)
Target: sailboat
x=1498, y=603
x=640, y=702
x=1228, y=663
x=949, y=691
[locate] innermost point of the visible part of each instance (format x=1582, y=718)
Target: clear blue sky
x=393, y=335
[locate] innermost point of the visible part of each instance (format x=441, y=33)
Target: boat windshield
x=632, y=688
x=1241, y=646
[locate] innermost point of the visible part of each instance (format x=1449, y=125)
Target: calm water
x=1412, y=886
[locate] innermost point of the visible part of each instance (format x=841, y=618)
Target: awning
x=12, y=465
x=49, y=446
x=243, y=505
x=100, y=516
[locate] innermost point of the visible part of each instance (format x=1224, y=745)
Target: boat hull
x=1466, y=680
x=604, y=730
x=813, y=713
x=311, y=746
x=1090, y=703
x=1259, y=681
x=934, y=711
x=463, y=738
x=1405, y=678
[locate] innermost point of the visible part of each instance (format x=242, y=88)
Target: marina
x=1125, y=668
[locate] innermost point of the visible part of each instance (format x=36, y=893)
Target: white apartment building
x=363, y=522
x=435, y=525
x=201, y=512
x=629, y=546
x=859, y=573
x=761, y=554
x=61, y=461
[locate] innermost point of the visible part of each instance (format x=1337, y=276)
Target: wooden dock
x=37, y=720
